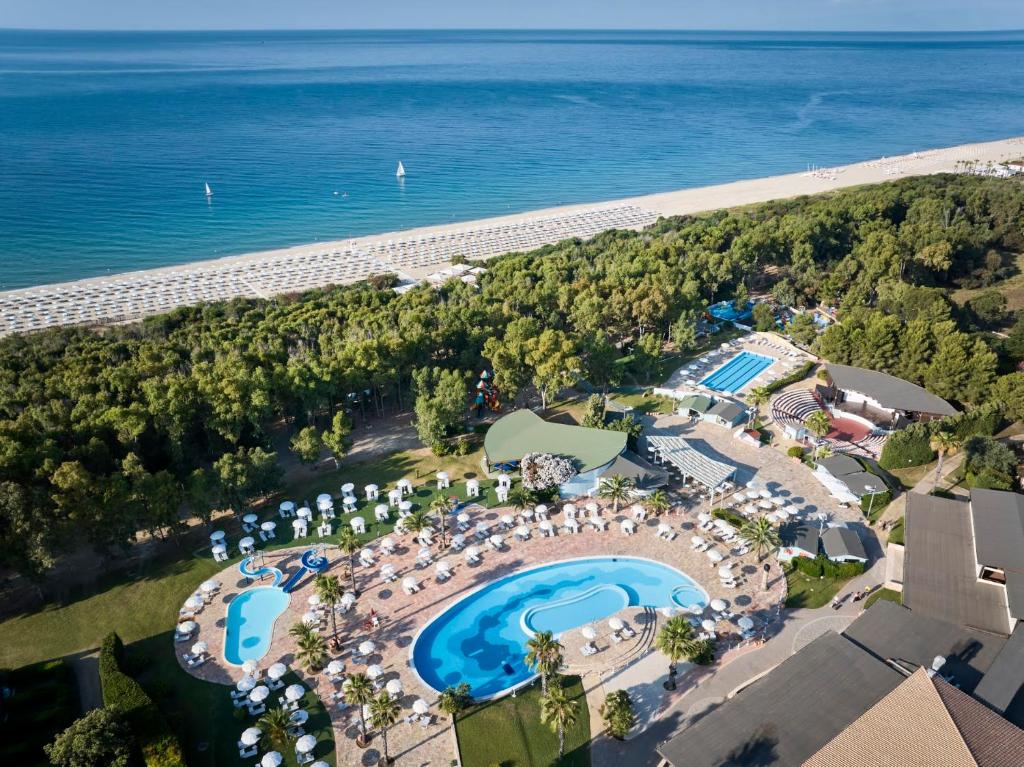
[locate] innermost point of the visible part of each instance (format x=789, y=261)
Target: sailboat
x=209, y=192
x=400, y=173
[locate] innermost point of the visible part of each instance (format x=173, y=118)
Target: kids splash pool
x=481, y=639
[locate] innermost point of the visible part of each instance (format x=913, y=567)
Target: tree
x=618, y=714
x=802, y=329
x=440, y=404
x=943, y=443
x=520, y=498
x=301, y=632
x=306, y=445
x=553, y=360
x=593, y=412
x=508, y=355
x=760, y=535
x=417, y=521
x=245, y=474
x=657, y=502
x=757, y=397
x=454, y=699
x=600, y=361
x=442, y=507
x=1008, y=389
x=616, y=489
x=741, y=298
x=100, y=738
x=312, y=652
x=384, y=712
x=357, y=689
x=544, y=655
x=329, y=590
x=350, y=545
x=675, y=641
x=764, y=317
x=646, y=362
x=337, y=439
x=558, y=711
x=819, y=424
x=275, y=724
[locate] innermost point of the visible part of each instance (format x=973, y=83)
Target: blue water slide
x=312, y=560
x=247, y=569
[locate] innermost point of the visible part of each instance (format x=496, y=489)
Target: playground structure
x=487, y=395
x=312, y=561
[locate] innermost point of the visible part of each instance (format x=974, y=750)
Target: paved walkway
x=86, y=668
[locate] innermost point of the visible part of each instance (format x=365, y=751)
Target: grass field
x=805, y=591
x=887, y=594
x=508, y=732
x=897, y=532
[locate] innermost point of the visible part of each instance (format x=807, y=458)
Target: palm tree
x=675, y=641
x=758, y=396
x=275, y=724
x=658, y=502
x=944, y=443
x=384, y=711
x=760, y=535
x=329, y=590
x=417, y=521
x=358, y=691
x=349, y=543
x=300, y=631
x=615, y=489
x=544, y=656
x=819, y=424
x=520, y=498
x=312, y=652
x=442, y=507
x=452, y=700
x=558, y=711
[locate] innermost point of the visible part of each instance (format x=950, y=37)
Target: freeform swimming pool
x=737, y=372
x=249, y=625
x=481, y=639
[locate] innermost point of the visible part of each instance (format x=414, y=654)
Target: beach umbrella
x=496, y=541
x=375, y=671
x=251, y=736
x=245, y=684
x=715, y=555
x=268, y=526
x=299, y=716
x=462, y=518
x=707, y=624
x=777, y=501
x=751, y=484
x=718, y=605
x=766, y=494
x=310, y=619
x=725, y=571
x=193, y=603
x=209, y=586
x=271, y=759
x=249, y=668
x=387, y=570
x=696, y=609
x=522, y=531
x=588, y=632
x=752, y=495
x=482, y=527
x=287, y=507
x=294, y=692
x=541, y=509
x=409, y=582
x=668, y=612
x=764, y=505
x=592, y=508
x=277, y=671
x=507, y=520
x=616, y=624
x=217, y=535
x=458, y=539
x=187, y=627
x=423, y=553
x=335, y=667
x=348, y=598
x=305, y=744
x=704, y=517
x=745, y=623
x=387, y=543
x=394, y=687
x=696, y=540
x=420, y=706
x=314, y=599
x=259, y=694
x=199, y=648
x=473, y=551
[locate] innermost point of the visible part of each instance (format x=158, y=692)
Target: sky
x=840, y=15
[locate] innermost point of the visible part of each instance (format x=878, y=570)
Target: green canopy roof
x=523, y=431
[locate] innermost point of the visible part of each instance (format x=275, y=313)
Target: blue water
x=737, y=372
x=106, y=139
x=249, y=625
x=724, y=310
x=481, y=640
x=564, y=614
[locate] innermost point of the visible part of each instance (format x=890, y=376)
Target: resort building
x=798, y=539
x=725, y=413
x=896, y=688
x=839, y=542
x=964, y=559
x=845, y=478
x=881, y=400
x=691, y=463
x=842, y=544
x=595, y=452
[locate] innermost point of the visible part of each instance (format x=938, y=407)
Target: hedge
x=731, y=517
x=159, y=746
x=795, y=452
x=879, y=502
x=797, y=375
x=823, y=566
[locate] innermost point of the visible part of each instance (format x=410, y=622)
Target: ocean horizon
x=107, y=139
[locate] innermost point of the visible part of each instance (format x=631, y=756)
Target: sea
x=107, y=139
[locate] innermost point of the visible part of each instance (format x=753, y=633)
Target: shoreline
x=414, y=253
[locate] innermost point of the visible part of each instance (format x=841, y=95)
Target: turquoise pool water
x=737, y=372
x=249, y=625
x=481, y=639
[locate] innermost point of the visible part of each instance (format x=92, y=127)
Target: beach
x=414, y=254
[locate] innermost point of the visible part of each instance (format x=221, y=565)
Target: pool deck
x=403, y=615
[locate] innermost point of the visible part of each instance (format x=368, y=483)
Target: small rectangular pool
x=737, y=372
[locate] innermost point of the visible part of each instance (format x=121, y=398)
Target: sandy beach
x=416, y=253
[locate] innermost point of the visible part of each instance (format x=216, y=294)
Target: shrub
x=159, y=746
x=875, y=502
x=703, y=652
x=734, y=519
x=822, y=566
x=795, y=452
x=908, y=447
x=99, y=739
x=618, y=714
x=797, y=375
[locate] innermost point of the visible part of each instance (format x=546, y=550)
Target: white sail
x=209, y=192
x=401, y=170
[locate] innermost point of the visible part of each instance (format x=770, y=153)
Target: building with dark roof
x=998, y=522
x=882, y=399
x=845, y=478
x=798, y=539
x=725, y=413
x=842, y=544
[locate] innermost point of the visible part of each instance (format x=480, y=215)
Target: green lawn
x=805, y=591
x=43, y=703
x=887, y=594
x=508, y=732
x=897, y=532
x=647, y=404
x=911, y=476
